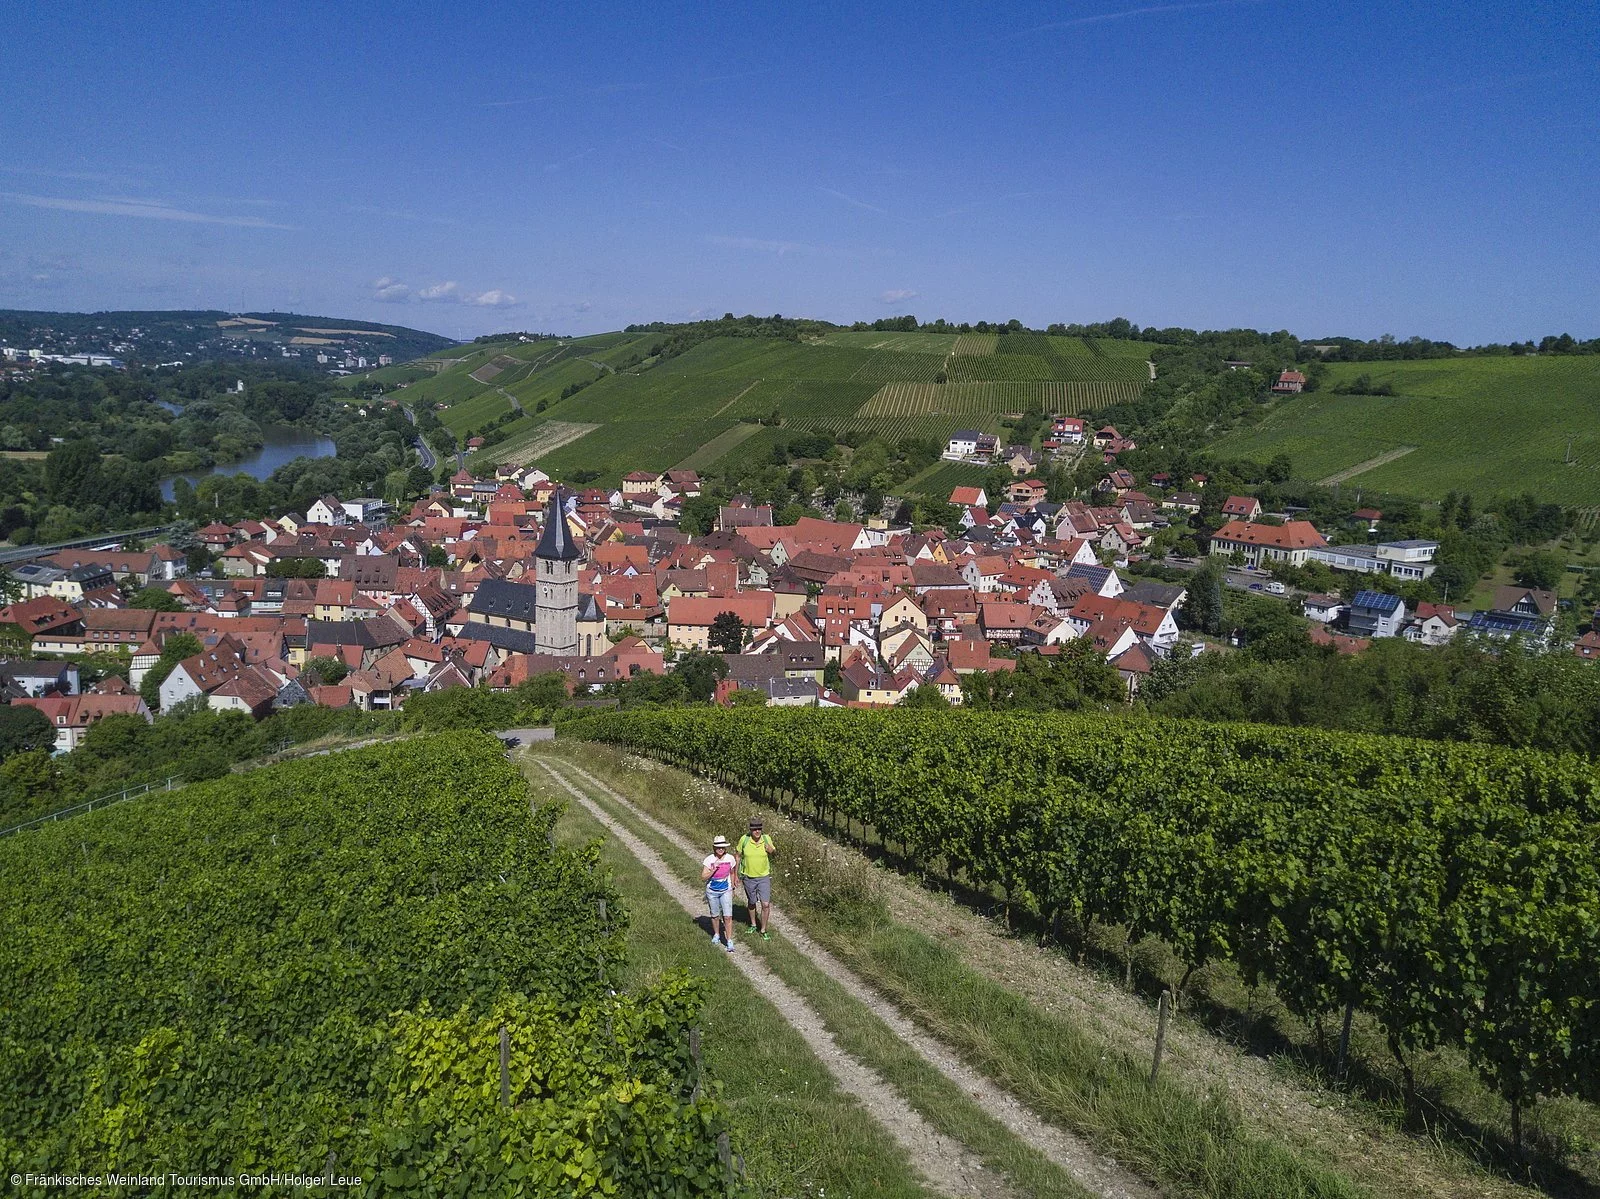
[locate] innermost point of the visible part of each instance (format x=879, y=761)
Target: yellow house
x=904, y=610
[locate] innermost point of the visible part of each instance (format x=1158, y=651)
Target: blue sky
x=1358, y=168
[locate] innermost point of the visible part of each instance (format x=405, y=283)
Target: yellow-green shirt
x=754, y=861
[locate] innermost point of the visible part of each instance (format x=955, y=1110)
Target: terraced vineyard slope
x=644, y=411
x=1486, y=426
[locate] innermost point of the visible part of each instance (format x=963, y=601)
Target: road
x=423, y=452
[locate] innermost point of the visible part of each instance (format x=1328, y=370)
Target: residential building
x=1375, y=614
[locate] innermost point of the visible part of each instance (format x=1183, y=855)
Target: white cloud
x=897, y=294
x=390, y=290
x=158, y=210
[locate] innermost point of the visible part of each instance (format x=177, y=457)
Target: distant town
x=491, y=580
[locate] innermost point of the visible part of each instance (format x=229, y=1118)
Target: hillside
x=1485, y=425
x=613, y=402
x=170, y=336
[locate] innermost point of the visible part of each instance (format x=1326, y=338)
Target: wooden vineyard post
x=1163, y=1010
x=694, y=1055
x=505, y=1068
x=725, y=1156
x=1344, y=1039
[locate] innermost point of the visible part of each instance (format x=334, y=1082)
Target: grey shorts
x=720, y=902
x=758, y=890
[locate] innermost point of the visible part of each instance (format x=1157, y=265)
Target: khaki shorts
x=758, y=890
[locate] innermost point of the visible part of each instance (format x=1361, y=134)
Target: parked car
x=1255, y=587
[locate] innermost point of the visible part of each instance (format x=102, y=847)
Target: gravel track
x=1086, y=1165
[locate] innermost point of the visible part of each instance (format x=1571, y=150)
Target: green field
x=1481, y=425
x=655, y=415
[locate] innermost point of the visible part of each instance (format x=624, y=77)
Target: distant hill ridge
x=147, y=337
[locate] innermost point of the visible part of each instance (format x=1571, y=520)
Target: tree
x=69, y=468
x=924, y=697
x=1202, y=610
x=699, y=515
x=1542, y=569
x=699, y=672
x=23, y=730
x=547, y=690
x=437, y=556
x=178, y=647
x=727, y=633
x=325, y=671
x=747, y=697
x=154, y=599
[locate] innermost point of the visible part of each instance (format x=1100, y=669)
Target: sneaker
x=766, y=936
x=749, y=928
x=728, y=945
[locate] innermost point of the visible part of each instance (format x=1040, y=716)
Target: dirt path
x=1077, y=1157
x=946, y=1164
x=515, y=403
x=733, y=401
x=1361, y=468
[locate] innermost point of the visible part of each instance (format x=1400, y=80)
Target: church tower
x=555, y=629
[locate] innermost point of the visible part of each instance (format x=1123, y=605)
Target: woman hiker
x=720, y=872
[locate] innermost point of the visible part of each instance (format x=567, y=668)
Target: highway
x=21, y=553
x=428, y=460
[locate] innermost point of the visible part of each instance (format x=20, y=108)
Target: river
x=280, y=444
x=283, y=443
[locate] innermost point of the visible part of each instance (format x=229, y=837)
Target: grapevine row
x=1452, y=892
x=375, y=963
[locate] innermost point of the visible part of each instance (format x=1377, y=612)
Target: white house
x=1323, y=609
x=963, y=442
x=1376, y=614
x=327, y=510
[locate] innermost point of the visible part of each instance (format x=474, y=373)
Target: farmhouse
x=1290, y=383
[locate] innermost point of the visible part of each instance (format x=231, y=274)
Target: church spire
x=555, y=540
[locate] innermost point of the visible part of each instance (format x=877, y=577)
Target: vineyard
x=652, y=417
x=987, y=399
x=976, y=344
x=939, y=480
x=1485, y=426
x=376, y=963
x=1448, y=892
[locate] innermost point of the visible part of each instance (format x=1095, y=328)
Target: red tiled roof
x=1291, y=535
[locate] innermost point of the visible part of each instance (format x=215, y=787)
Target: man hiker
x=756, y=851
x=720, y=871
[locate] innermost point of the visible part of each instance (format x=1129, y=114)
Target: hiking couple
x=751, y=861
